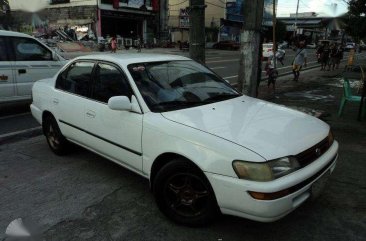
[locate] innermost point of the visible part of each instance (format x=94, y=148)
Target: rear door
x=7, y=82
x=33, y=61
x=72, y=91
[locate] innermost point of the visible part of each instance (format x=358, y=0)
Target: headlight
x=267, y=171
x=330, y=138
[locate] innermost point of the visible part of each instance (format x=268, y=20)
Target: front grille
x=308, y=156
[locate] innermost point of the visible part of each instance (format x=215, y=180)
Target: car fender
x=210, y=153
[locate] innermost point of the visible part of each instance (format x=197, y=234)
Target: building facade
x=224, y=15
x=178, y=18
x=311, y=27
x=126, y=18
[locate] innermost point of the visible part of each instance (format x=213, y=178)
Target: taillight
x=269, y=50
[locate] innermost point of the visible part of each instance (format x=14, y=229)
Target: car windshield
x=173, y=85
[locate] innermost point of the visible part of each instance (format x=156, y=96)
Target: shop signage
x=59, y=1
x=183, y=18
x=118, y=14
x=115, y=4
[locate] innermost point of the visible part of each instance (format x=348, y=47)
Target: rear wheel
x=183, y=194
x=56, y=141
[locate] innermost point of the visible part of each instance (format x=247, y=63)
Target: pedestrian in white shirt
x=299, y=60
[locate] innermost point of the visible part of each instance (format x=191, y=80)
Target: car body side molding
x=99, y=137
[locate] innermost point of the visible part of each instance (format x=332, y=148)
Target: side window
x=76, y=79
x=27, y=49
x=109, y=82
x=3, y=50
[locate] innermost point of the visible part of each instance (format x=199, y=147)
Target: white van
x=24, y=60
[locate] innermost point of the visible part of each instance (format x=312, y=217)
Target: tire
x=56, y=141
x=183, y=193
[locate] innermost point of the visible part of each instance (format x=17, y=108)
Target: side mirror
x=119, y=103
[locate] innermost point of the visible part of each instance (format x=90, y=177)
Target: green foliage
x=355, y=19
x=357, y=7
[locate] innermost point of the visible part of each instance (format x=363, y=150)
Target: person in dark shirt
x=324, y=57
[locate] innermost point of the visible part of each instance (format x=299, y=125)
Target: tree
x=5, y=17
x=357, y=7
x=355, y=19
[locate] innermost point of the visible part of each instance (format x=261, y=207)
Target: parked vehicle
x=204, y=147
x=349, y=45
x=23, y=60
x=283, y=45
x=311, y=46
x=227, y=44
x=267, y=50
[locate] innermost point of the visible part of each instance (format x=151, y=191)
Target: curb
x=15, y=136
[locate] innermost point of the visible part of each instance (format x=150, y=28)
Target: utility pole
x=197, y=30
x=249, y=46
x=274, y=49
x=297, y=12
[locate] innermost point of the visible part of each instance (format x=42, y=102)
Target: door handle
x=22, y=71
x=90, y=114
x=55, y=101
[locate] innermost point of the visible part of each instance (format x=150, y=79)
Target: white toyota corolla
x=204, y=147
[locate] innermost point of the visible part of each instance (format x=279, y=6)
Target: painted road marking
x=220, y=61
x=230, y=77
x=219, y=67
x=213, y=58
x=12, y=116
x=20, y=132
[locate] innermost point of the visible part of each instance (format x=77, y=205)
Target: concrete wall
x=77, y=15
x=214, y=11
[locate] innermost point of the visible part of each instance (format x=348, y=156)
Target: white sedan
x=204, y=147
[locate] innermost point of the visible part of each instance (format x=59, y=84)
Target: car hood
x=268, y=129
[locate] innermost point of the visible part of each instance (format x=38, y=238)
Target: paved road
x=85, y=197
x=225, y=63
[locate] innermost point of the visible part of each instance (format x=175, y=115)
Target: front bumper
x=233, y=197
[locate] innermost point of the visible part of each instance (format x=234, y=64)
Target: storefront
x=133, y=19
x=127, y=25
x=126, y=18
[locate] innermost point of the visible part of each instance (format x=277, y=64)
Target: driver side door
x=33, y=62
x=114, y=134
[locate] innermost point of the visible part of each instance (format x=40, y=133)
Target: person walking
x=299, y=60
x=280, y=54
x=271, y=72
x=139, y=43
x=339, y=55
x=334, y=55
x=324, y=58
x=113, y=44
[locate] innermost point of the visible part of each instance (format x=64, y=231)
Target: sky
x=285, y=7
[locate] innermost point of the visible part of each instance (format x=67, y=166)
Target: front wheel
x=56, y=141
x=183, y=193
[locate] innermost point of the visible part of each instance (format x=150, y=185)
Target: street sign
x=183, y=18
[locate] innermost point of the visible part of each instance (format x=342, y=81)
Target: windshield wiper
x=220, y=97
x=176, y=104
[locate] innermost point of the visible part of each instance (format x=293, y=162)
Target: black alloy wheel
x=184, y=194
x=56, y=141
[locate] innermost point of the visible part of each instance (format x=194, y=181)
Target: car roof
x=131, y=58
x=13, y=34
